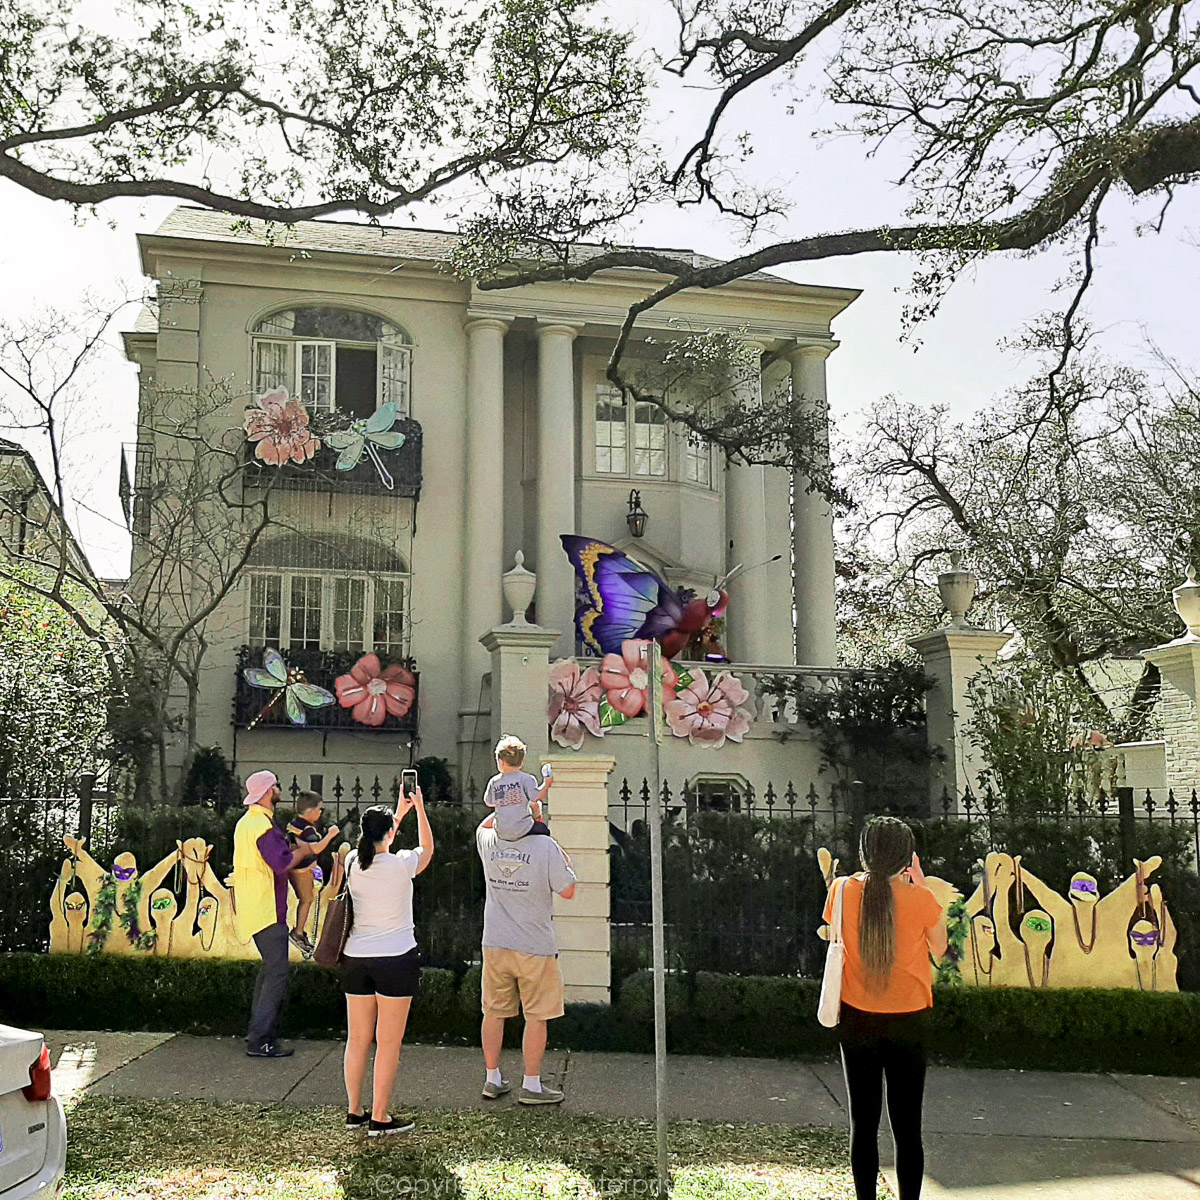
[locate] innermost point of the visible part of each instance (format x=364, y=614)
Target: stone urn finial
x=957, y=589
x=1187, y=604
x=519, y=587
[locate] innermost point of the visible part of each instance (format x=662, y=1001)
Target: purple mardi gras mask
x=1087, y=886
x=124, y=874
x=1150, y=938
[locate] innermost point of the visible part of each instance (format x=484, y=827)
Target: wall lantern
x=637, y=516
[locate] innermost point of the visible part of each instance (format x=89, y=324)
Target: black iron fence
x=448, y=903
x=743, y=893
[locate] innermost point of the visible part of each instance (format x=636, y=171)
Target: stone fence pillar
x=578, y=802
x=578, y=812
x=953, y=656
x=1179, y=664
x=520, y=654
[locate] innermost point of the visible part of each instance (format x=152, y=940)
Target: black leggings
x=876, y=1046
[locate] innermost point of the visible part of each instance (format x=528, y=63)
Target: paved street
x=993, y=1134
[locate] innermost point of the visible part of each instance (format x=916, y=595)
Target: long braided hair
x=885, y=848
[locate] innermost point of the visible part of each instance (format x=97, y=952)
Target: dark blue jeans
x=270, y=987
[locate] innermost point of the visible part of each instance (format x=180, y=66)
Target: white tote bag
x=830, y=1005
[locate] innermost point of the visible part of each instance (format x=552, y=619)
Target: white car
x=33, y=1130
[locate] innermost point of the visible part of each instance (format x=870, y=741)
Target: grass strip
x=191, y=1150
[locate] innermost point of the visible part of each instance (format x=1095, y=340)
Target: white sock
x=494, y=1077
x=532, y=1083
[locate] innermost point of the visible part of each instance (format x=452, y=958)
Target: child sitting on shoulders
x=514, y=794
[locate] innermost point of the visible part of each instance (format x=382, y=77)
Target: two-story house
x=512, y=436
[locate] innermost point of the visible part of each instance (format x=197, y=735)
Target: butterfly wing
x=276, y=668
x=295, y=710
x=311, y=695
x=382, y=419
x=391, y=440
x=257, y=677
x=618, y=597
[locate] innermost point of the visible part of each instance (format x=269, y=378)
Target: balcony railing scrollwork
x=252, y=706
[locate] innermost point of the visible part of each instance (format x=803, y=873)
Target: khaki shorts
x=514, y=982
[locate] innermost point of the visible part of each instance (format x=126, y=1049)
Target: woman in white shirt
x=380, y=968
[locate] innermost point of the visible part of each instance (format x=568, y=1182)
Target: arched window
x=334, y=359
x=314, y=593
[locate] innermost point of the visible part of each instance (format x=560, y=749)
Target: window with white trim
x=335, y=359
x=612, y=431
x=649, y=440
x=620, y=426
x=698, y=453
x=343, y=611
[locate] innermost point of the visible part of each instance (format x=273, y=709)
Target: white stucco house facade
x=513, y=437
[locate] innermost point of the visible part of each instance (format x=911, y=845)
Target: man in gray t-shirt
x=520, y=955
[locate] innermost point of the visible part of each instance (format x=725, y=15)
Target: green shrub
x=1078, y=1030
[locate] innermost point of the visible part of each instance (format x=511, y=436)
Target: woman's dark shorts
x=396, y=975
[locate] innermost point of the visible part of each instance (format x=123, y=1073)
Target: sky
x=50, y=257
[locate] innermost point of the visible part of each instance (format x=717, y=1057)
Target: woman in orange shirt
x=891, y=923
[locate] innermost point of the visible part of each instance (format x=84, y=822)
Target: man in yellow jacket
x=261, y=861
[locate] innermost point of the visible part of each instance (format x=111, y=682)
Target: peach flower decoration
x=374, y=693
x=708, y=713
x=574, y=703
x=625, y=678
x=279, y=426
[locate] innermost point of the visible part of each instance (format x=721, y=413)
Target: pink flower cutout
x=625, y=678
x=375, y=694
x=574, y=703
x=706, y=714
x=279, y=425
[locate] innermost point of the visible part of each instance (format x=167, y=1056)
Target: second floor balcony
x=369, y=476
x=268, y=707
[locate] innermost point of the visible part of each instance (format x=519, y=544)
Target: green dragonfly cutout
x=288, y=682
x=365, y=438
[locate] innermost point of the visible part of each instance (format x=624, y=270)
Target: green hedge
x=1077, y=1030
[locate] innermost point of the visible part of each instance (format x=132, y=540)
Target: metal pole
x=656, y=916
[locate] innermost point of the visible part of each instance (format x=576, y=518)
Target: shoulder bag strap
x=836, y=928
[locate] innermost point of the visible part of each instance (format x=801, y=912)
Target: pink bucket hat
x=258, y=785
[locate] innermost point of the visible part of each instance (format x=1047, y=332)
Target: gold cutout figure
x=198, y=924
x=162, y=912
x=1022, y=933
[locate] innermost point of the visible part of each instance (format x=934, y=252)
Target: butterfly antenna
x=741, y=569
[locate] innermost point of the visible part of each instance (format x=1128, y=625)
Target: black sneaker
x=300, y=942
x=270, y=1050
x=356, y=1122
x=390, y=1126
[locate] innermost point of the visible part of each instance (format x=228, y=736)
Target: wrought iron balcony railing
x=252, y=706
x=320, y=474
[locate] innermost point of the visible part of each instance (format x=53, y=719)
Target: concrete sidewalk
x=989, y=1134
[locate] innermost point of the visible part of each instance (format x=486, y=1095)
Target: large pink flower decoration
x=375, y=694
x=708, y=713
x=279, y=425
x=625, y=678
x=574, y=703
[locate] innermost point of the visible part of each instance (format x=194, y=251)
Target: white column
x=556, y=480
x=748, y=623
x=812, y=524
x=484, y=542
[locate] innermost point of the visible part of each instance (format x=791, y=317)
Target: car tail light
x=39, y=1078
